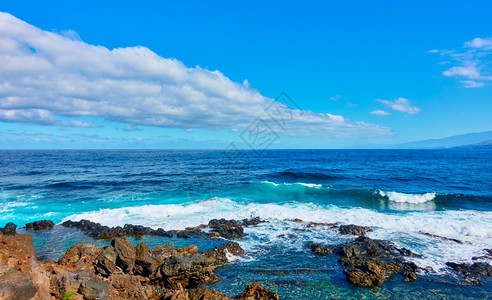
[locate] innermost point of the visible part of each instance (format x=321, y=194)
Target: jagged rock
x=206, y=294
x=227, y=228
x=40, y=225
x=106, y=261
x=21, y=277
x=94, y=288
x=475, y=269
x=81, y=255
x=441, y=237
x=125, y=254
x=146, y=261
x=190, y=270
x=257, y=292
x=221, y=253
x=370, y=262
x=354, y=229
x=124, y=286
x=488, y=255
x=9, y=229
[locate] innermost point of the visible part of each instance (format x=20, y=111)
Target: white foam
x=471, y=227
x=311, y=185
x=408, y=198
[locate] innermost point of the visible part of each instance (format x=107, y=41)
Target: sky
x=245, y=74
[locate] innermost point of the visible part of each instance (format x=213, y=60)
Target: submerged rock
x=354, y=229
x=40, y=225
x=472, y=272
x=369, y=262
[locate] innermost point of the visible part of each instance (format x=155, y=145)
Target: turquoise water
x=399, y=193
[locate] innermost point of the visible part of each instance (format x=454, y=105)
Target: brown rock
x=81, y=255
x=257, y=292
x=124, y=286
x=206, y=294
x=9, y=229
x=125, y=252
x=106, y=261
x=21, y=277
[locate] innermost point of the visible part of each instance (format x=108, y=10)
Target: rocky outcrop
x=370, y=262
x=229, y=229
x=354, y=229
x=21, y=277
x=9, y=229
x=472, y=272
x=40, y=225
x=255, y=291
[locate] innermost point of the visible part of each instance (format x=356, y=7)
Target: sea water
x=401, y=194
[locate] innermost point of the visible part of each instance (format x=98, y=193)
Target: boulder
x=40, y=225
x=21, y=277
x=125, y=254
x=9, y=229
x=124, y=286
x=106, y=262
x=257, y=292
x=354, y=229
x=81, y=255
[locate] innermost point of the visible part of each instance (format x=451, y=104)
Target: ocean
x=400, y=194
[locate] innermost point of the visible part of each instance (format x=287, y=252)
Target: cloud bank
x=48, y=77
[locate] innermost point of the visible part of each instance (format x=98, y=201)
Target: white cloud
x=481, y=43
x=403, y=105
x=471, y=63
x=380, y=113
x=47, y=77
x=336, y=97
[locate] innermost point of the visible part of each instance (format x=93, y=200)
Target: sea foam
x=408, y=198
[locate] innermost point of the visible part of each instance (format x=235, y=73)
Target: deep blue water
x=400, y=193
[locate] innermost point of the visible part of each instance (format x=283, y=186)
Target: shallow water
x=399, y=193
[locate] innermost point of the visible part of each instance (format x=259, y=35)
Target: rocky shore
x=123, y=271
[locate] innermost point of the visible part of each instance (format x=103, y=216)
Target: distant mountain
x=482, y=145
x=469, y=140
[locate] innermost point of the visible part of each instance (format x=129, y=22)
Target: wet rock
x=229, y=232
x=125, y=254
x=370, y=262
x=475, y=269
x=488, y=255
x=21, y=276
x=9, y=229
x=257, y=292
x=354, y=229
x=220, y=254
x=319, y=249
x=40, y=225
x=441, y=237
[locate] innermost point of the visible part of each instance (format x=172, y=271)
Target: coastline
x=121, y=270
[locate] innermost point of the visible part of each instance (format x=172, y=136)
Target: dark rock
x=188, y=270
x=146, y=261
x=370, y=262
x=475, y=269
x=257, y=292
x=488, y=255
x=229, y=232
x=354, y=229
x=220, y=253
x=40, y=225
x=9, y=229
x=441, y=237
x=106, y=261
x=125, y=252
x=94, y=288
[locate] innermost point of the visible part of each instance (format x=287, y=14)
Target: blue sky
x=118, y=74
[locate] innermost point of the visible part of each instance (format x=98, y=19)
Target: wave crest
x=408, y=198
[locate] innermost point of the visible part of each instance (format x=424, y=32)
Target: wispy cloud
x=47, y=77
x=471, y=62
x=380, y=113
x=401, y=104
